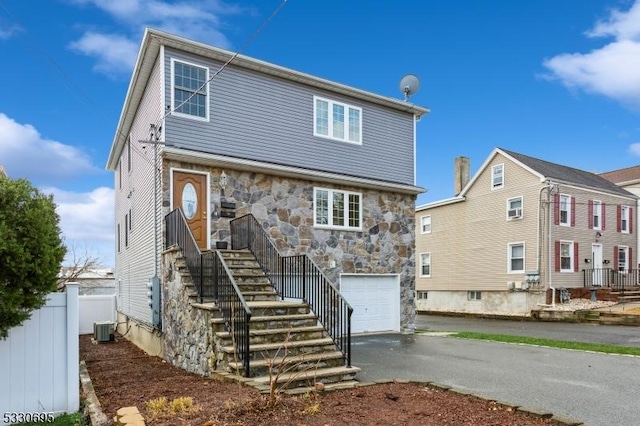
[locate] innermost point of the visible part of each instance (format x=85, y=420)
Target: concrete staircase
x=632, y=294
x=288, y=347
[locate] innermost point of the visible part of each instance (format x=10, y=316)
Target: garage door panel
x=375, y=300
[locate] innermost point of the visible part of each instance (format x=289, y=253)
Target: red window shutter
x=556, y=209
x=604, y=216
x=576, y=262
x=619, y=218
x=590, y=214
x=557, y=256
x=631, y=220
x=573, y=211
x=631, y=264
x=615, y=258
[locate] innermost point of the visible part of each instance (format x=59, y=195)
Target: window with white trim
x=566, y=256
x=189, y=90
x=514, y=208
x=565, y=210
x=474, y=295
x=425, y=224
x=422, y=295
x=623, y=258
x=425, y=264
x=597, y=215
x=624, y=219
x=497, y=176
x=516, y=258
x=336, y=120
x=337, y=209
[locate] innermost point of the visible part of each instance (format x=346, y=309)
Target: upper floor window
x=516, y=258
x=425, y=224
x=497, y=176
x=190, y=90
x=514, y=208
x=625, y=219
x=337, y=209
x=425, y=264
x=565, y=209
x=336, y=120
x=596, y=215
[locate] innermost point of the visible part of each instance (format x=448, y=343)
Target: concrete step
x=306, y=378
x=281, y=321
x=263, y=286
x=280, y=335
x=271, y=350
x=261, y=367
x=279, y=307
x=329, y=387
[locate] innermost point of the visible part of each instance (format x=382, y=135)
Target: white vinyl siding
x=189, y=90
x=334, y=209
x=336, y=120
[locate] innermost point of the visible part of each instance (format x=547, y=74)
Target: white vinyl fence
x=39, y=361
x=96, y=308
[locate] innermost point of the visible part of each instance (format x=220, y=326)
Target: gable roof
x=623, y=176
x=150, y=48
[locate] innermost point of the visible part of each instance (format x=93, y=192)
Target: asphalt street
x=598, y=389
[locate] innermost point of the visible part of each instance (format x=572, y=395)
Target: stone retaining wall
x=187, y=332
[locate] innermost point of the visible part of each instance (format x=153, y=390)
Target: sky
x=554, y=79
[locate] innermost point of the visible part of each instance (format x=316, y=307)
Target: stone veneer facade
x=386, y=244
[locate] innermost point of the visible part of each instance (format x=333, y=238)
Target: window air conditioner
x=103, y=331
x=515, y=213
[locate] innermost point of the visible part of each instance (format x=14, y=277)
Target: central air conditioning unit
x=515, y=213
x=517, y=285
x=510, y=285
x=103, y=331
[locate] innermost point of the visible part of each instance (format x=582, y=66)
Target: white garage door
x=375, y=300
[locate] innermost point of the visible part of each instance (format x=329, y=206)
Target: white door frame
x=596, y=262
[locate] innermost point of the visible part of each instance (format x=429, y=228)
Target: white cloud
x=612, y=70
x=634, y=149
x=115, y=53
x=7, y=30
x=25, y=153
x=86, y=220
x=199, y=20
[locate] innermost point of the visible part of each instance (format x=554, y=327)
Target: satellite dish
x=409, y=85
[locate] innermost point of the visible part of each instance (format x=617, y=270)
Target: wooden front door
x=190, y=194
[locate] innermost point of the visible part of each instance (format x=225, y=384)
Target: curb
x=93, y=409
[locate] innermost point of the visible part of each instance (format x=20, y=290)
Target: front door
x=596, y=261
x=190, y=194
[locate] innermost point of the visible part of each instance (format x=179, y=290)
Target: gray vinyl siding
x=135, y=262
x=268, y=119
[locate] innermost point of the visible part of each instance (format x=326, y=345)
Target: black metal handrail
x=609, y=277
x=212, y=279
x=297, y=277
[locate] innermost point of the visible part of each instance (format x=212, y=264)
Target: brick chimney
x=461, y=174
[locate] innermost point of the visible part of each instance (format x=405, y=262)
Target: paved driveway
x=595, y=388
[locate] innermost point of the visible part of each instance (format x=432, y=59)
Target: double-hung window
x=623, y=256
x=514, y=208
x=567, y=256
x=190, y=90
x=624, y=219
x=565, y=210
x=425, y=224
x=597, y=215
x=425, y=264
x=516, y=258
x=497, y=176
x=337, y=120
x=337, y=209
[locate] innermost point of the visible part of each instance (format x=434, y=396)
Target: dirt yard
x=123, y=375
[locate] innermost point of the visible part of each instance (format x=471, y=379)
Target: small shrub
x=156, y=406
x=183, y=404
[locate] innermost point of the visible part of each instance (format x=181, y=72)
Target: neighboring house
x=629, y=179
x=91, y=282
x=490, y=248
x=326, y=169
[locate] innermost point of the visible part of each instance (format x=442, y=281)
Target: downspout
x=549, y=279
